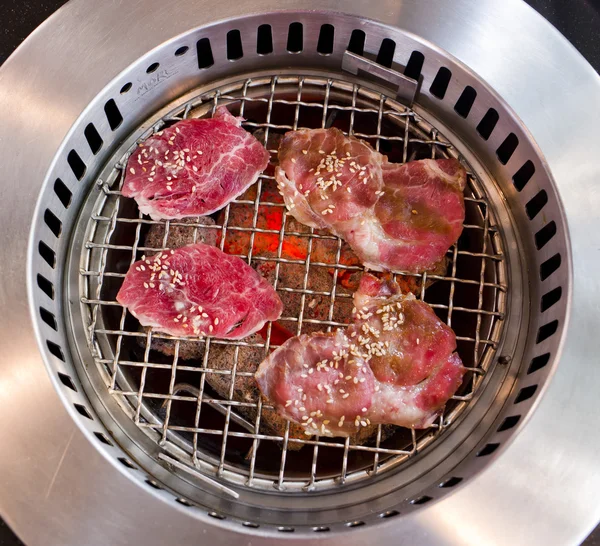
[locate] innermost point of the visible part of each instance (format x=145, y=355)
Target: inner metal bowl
x=469, y=293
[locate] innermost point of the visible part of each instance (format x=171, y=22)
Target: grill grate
x=170, y=399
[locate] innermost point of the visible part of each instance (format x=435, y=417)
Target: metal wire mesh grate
x=184, y=393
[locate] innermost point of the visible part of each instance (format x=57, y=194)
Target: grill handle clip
x=405, y=87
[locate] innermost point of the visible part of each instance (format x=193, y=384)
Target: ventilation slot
x=465, y=101
x=325, y=44
x=264, y=40
x=414, y=65
x=355, y=524
x=76, y=164
x=545, y=234
x=46, y=286
x=181, y=51
x=235, y=50
x=320, y=529
x=113, y=114
x=389, y=514
x=250, y=524
x=488, y=124
x=523, y=175
x=67, y=381
x=451, y=482
x=286, y=529
x=488, y=450
x=127, y=463
x=550, y=266
x=538, y=363
x=546, y=331
x=82, y=410
x=63, y=193
x=550, y=298
x=440, y=83
x=152, y=68
x=385, y=57
x=48, y=318
x=181, y=500
x=93, y=138
x=103, y=438
x=525, y=393
x=295, y=38
x=536, y=204
x=421, y=500
x=153, y=484
x=507, y=148
x=47, y=253
x=357, y=42
x=55, y=350
x=509, y=423
x=125, y=88
x=53, y=222
x=216, y=515
x=205, y=55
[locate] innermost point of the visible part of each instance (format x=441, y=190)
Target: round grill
x=152, y=402
x=170, y=397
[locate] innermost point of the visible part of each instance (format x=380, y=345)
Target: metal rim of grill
x=481, y=282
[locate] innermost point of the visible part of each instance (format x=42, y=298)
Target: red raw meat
x=394, y=217
x=310, y=383
x=395, y=365
x=421, y=214
x=198, y=290
x=194, y=167
x=328, y=180
x=409, y=349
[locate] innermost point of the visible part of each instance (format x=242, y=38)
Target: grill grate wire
x=107, y=338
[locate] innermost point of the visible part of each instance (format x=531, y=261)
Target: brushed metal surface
x=61, y=490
